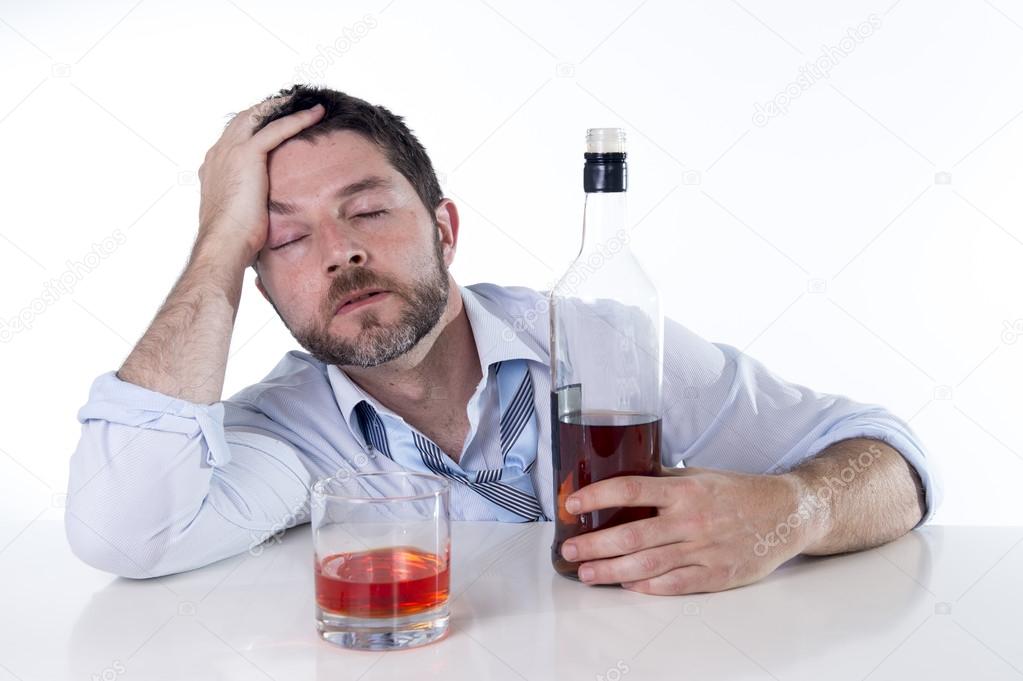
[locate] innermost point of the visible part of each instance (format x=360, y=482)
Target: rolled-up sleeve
x=160, y=485
x=723, y=409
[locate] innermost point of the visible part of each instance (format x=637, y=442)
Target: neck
x=442, y=370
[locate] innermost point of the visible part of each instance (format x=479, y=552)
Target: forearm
x=856, y=494
x=184, y=352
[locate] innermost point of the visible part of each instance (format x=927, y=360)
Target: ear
x=446, y=214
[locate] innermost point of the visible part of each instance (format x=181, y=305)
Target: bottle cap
x=605, y=141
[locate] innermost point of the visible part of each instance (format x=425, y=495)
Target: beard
x=377, y=342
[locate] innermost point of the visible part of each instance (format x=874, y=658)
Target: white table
x=940, y=603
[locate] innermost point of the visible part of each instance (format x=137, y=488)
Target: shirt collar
x=498, y=338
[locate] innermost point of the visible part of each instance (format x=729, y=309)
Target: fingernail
x=586, y=573
x=572, y=505
x=569, y=551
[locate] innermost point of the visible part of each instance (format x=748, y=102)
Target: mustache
x=346, y=284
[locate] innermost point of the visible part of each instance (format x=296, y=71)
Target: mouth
x=360, y=299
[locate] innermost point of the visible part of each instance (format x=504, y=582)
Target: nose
x=340, y=248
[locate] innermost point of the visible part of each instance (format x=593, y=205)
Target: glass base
x=383, y=633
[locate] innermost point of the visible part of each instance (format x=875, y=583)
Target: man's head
x=354, y=204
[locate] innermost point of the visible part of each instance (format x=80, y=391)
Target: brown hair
x=385, y=129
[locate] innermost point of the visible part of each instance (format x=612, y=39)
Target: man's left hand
x=707, y=535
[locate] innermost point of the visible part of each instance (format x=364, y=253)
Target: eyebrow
x=365, y=184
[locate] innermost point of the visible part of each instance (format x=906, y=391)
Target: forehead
x=299, y=167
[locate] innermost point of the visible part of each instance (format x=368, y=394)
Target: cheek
x=419, y=256
x=298, y=298
x=397, y=257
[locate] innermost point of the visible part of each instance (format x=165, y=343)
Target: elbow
x=103, y=546
x=913, y=493
x=118, y=516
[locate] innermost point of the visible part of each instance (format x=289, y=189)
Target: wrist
x=214, y=273
x=812, y=510
x=214, y=246
x=221, y=261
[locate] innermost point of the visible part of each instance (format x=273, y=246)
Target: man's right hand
x=234, y=181
x=184, y=352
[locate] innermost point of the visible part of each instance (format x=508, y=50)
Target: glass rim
x=443, y=488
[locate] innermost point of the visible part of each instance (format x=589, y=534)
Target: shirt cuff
x=116, y=401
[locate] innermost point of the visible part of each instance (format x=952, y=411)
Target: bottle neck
x=603, y=220
x=605, y=178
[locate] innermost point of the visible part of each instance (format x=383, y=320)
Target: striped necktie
x=508, y=489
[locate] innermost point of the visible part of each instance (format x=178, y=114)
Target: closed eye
x=372, y=216
x=288, y=243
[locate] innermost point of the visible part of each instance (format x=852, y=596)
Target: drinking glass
x=382, y=557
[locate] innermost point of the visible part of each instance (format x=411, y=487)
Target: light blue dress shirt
x=160, y=485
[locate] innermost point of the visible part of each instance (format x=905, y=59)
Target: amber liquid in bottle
x=592, y=446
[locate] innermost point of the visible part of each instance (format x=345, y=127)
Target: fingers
x=621, y=539
x=243, y=121
x=641, y=565
x=626, y=490
x=284, y=128
x=690, y=579
x=239, y=129
x=257, y=112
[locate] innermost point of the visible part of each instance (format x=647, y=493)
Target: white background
x=865, y=242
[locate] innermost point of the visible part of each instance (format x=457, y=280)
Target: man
x=338, y=210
